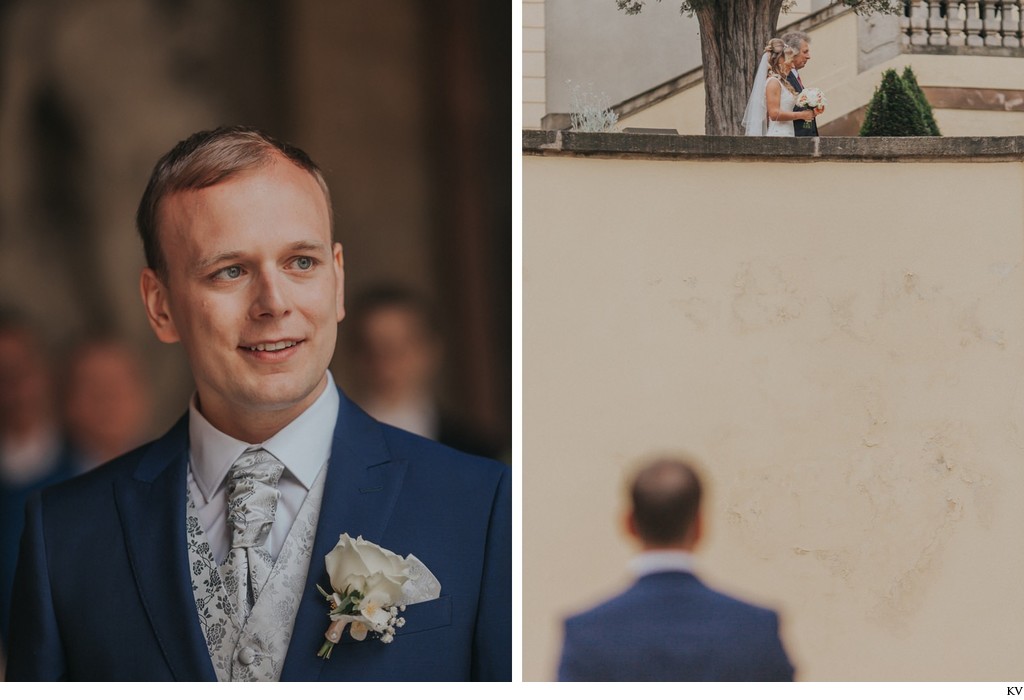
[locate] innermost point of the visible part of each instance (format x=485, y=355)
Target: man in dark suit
x=398, y=352
x=198, y=556
x=669, y=626
x=801, y=43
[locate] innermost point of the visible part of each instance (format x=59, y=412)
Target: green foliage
x=893, y=110
x=926, y=109
x=631, y=7
x=865, y=7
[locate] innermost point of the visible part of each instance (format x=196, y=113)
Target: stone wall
x=832, y=329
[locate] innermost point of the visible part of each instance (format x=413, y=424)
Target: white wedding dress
x=755, y=118
x=787, y=103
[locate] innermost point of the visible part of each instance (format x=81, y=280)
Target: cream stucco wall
x=987, y=123
x=534, y=63
x=839, y=344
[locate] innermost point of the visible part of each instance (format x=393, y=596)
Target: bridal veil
x=755, y=118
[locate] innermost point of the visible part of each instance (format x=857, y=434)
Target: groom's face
x=253, y=292
x=803, y=57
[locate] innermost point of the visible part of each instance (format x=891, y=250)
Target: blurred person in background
x=669, y=626
x=396, y=344
x=107, y=400
x=33, y=451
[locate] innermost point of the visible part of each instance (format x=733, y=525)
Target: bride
x=772, y=99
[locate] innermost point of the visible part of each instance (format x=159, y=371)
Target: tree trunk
x=733, y=34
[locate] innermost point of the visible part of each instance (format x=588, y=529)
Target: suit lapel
x=795, y=81
x=151, y=506
x=801, y=127
x=362, y=486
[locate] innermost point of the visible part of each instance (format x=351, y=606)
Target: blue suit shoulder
x=455, y=511
x=456, y=493
x=671, y=627
x=683, y=591
x=440, y=460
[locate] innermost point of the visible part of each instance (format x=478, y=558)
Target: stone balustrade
x=982, y=23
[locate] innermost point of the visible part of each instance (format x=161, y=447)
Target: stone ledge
x=663, y=146
x=987, y=51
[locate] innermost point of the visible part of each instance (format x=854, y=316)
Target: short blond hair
x=204, y=159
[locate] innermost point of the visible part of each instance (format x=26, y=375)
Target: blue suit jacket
x=671, y=627
x=801, y=127
x=12, y=517
x=103, y=590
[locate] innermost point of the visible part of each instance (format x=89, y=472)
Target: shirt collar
x=656, y=561
x=303, y=446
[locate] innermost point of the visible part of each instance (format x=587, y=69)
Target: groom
x=801, y=43
x=669, y=626
x=198, y=556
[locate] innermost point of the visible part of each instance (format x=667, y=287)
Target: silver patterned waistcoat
x=253, y=648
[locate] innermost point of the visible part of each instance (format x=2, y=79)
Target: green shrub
x=893, y=110
x=926, y=109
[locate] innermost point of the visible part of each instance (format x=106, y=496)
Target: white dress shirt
x=656, y=561
x=303, y=446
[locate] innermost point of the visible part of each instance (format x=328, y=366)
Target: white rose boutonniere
x=371, y=586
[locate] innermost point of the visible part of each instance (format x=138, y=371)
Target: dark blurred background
x=405, y=104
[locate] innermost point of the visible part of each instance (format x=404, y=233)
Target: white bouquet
x=811, y=97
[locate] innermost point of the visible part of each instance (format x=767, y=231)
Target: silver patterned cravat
x=252, y=505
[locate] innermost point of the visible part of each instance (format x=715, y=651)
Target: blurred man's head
x=665, y=497
x=395, y=344
x=801, y=44
x=107, y=403
x=26, y=384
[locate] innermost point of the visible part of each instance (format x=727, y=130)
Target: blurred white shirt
x=657, y=561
